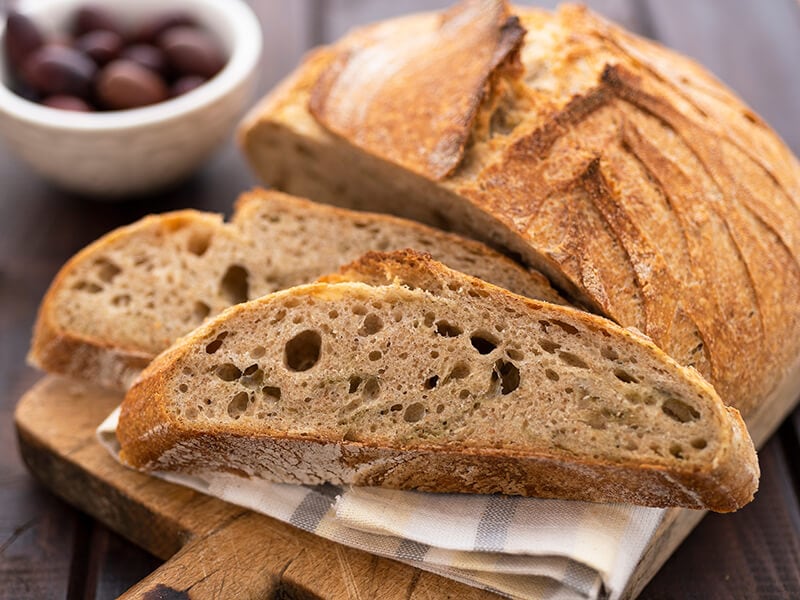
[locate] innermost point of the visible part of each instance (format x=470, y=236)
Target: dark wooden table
x=49, y=550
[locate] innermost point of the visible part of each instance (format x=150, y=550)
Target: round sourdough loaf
x=636, y=181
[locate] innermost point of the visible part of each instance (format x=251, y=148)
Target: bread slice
x=420, y=377
x=638, y=183
x=130, y=294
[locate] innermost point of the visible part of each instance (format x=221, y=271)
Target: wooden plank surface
x=223, y=551
x=45, y=545
x=754, y=47
x=220, y=550
x=110, y=565
x=339, y=16
x=773, y=571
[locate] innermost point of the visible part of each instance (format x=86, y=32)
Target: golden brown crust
x=407, y=267
x=63, y=350
x=633, y=179
x=89, y=359
x=739, y=247
x=416, y=102
x=442, y=470
x=152, y=438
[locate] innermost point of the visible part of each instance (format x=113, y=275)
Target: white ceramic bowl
x=123, y=153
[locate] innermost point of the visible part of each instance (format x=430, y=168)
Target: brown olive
x=67, y=103
x=96, y=65
x=100, y=45
x=148, y=56
x=192, y=52
x=91, y=17
x=23, y=90
x=152, y=28
x=54, y=69
x=22, y=39
x=186, y=84
x=124, y=84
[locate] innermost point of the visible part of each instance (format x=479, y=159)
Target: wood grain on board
x=216, y=549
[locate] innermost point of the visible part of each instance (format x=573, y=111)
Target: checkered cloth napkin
x=516, y=547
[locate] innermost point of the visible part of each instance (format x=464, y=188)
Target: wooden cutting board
x=214, y=549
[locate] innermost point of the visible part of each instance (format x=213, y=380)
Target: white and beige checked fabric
x=516, y=547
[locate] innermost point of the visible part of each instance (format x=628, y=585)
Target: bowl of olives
x=115, y=99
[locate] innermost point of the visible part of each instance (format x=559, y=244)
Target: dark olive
x=22, y=39
x=67, y=103
x=125, y=84
x=54, y=70
x=148, y=56
x=152, y=28
x=92, y=17
x=100, y=45
x=25, y=91
x=186, y=84
x=96, y=65
x=192, y=52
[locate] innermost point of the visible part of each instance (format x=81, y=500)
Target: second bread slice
x=128, y=296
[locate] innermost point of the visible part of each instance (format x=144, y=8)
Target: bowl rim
x=243, y=59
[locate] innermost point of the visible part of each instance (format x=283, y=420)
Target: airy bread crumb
x=415, y=360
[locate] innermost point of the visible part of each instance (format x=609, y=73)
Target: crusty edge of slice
x=418, y=269
x=58, y=350
x=256, y=195
x=153, y=439
x=444, y=470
